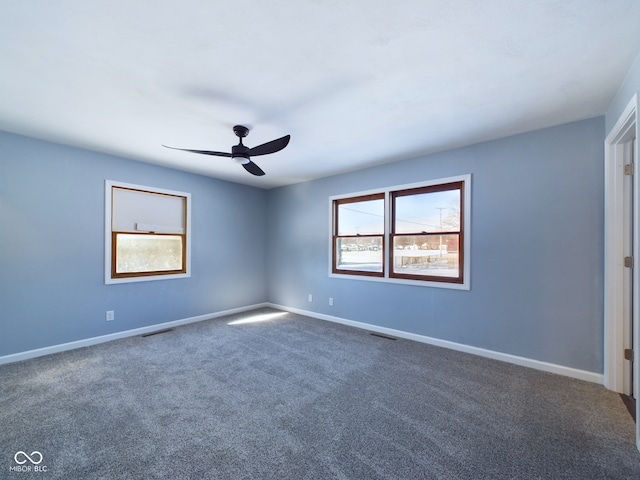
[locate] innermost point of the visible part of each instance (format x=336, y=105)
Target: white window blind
x=135, y=211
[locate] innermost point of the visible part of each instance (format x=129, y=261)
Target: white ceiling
x=355, y=82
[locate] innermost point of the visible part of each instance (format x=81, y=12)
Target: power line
x=382, y=216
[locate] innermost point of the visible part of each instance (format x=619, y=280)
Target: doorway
x=628, y=214
x=622, y=270
x=630, y=364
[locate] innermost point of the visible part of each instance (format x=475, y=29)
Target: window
x=359, y=235
x=146, y=233
x=426, y=233
x=416, y=234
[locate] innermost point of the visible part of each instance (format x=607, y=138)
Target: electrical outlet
x=310, y=298
x=110, y=315
x=331, y=301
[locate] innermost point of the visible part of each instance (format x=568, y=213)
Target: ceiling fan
x=242, y=154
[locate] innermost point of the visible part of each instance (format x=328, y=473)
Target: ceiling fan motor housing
x=240, y=153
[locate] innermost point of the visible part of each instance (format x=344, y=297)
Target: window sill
x=144, y=278
x=402, y=281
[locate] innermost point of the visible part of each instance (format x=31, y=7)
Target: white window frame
x=466, y=268
x=108, y=203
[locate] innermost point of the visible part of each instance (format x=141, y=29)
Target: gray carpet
x=299, y=398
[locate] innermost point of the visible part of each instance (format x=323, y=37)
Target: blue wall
x=52, y=247
x=536, y=254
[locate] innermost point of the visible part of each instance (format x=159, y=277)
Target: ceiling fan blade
x=270, y=147
x=204, y=152
x=253, y=169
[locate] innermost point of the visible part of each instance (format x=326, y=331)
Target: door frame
x=616, y=155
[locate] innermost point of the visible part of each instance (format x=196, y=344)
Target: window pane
x=361, y=254
x=361, y=218
x=432, y=255
x=428, y=212
x=148, y=253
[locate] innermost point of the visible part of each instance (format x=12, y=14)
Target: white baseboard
x=504, y=357
x=39, y=352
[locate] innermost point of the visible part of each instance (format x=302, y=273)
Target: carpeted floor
x=300, y=398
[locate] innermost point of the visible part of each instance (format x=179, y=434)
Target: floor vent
x=157, y=332
x=382, y=336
